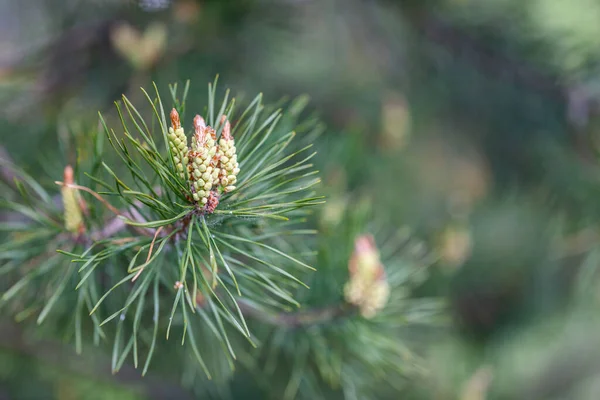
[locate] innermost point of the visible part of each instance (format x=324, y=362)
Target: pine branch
x=112, y=227
x=115, y=225
x=206, y=226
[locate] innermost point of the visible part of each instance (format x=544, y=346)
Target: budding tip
x=68, y=175
x=227, y=131
x=199, y=123
x=175, y=119
x=365, y=243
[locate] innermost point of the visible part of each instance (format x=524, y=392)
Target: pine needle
x=149, y=254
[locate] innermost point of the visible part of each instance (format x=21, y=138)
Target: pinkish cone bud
x=68, y=175
x=367, y=287
x=175, y=122
x=365, y=258
x=199, y=124
x=226, y=134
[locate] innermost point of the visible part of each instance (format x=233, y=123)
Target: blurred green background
x=473, y=122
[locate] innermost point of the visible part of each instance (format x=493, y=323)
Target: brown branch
x=111, y=228
x=116, y=225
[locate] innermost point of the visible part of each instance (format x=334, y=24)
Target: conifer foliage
x=187, y=235
x=170, y=236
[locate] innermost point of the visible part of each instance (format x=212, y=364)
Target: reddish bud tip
x=199, y=124
x=68, y=175
x=364, y=244
x=175, y=122
x=226, y=134
x=365, y=255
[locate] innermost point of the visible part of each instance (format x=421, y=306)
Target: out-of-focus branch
x=111, y=227
x=298, y=319
x=116, y=225
x=6, y=174
x=12, y=337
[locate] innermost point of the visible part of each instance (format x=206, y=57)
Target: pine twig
x=117, y=224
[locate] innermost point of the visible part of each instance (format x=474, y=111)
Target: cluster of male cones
x=209, y=167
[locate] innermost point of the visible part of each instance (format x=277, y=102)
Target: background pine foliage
x=461, y=134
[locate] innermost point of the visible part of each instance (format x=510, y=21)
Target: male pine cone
x=178, y=144
x=208, y=168
x=228, y=165
x=202, y=166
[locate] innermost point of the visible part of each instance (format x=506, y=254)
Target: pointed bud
x=226, y=133
x=199, y=124
x=175, y=122
x=68, y=175
x=367, y=287
x=71, y=203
